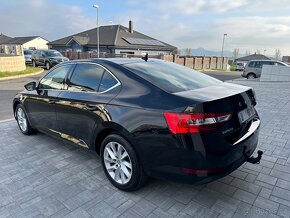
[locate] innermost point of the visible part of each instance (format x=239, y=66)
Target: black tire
x=34, y=63
x=251, y=76
x=28, y=130
x=47, y=65
x=138, y=177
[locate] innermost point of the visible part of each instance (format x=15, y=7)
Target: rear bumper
x=191, y=166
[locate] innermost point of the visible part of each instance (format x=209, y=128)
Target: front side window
x=55, y=79
x=252, y=64
x=86, y=77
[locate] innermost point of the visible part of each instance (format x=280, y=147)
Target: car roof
x=119, y=61
x=267, y=61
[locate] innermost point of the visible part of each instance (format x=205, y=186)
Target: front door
x=81, y=108
x=41, y=104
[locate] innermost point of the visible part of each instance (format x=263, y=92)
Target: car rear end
x=215, y=133
x=27, y=56
x=240, y=66
x=215, y=136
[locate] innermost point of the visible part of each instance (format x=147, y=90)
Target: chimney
x=131, y=26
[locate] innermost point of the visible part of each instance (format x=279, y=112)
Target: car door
x=82, y=108
x=42, y=58
x=37, y=57
x=41, y=104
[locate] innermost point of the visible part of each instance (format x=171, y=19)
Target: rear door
x=82, y=107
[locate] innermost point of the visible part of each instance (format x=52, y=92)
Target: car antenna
x=145, y=58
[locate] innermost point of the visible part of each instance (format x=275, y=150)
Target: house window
x=127, y=52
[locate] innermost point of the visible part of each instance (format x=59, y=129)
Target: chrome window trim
x=91, y=92
x=106, y=69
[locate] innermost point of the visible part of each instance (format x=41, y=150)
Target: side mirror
x=30, y=86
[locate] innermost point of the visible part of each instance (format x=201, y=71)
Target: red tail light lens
x=182, y=123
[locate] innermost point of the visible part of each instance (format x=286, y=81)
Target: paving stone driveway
x=42, y=177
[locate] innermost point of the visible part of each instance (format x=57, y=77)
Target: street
x=9, y=88
x=44, y=177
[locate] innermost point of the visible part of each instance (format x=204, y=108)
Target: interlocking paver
x=42, y=177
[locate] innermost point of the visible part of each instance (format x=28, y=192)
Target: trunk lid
x=225, y=98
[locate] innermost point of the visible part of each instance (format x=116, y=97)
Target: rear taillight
x=182, y=123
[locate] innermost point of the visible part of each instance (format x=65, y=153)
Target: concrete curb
x=21, y=76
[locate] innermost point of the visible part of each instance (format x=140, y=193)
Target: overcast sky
x=250, y=24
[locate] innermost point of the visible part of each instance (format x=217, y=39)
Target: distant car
x=47, y=58
x=27, y=55
x=253, y=69
x=240, y=66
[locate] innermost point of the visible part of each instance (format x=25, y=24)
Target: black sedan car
x=144, y=118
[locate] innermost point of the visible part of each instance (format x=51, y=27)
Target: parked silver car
x=240, y=66
x=253, y=69
x=27, y=55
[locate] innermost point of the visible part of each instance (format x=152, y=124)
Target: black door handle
x=90, y=107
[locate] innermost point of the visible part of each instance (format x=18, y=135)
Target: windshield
x=52, y=54
x=171, y=77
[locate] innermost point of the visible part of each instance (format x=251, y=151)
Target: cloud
x=250, y=24
x=189, y=7
x=42, y=17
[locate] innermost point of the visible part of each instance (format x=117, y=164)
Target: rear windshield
x=171, y=77
x=27, y=52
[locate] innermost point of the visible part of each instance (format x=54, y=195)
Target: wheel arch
x=108, y=129
x=15, y=103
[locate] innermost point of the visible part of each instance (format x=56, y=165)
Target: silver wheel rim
x=118, y=163
x=251, y=77
x=21, y=119
x=47, y=65
x=33, y=63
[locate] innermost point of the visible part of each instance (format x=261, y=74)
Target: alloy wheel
x=21, y=119
x=118, y=163
x=251, y=76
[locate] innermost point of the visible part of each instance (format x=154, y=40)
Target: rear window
x=27, y=52
x=171, y=77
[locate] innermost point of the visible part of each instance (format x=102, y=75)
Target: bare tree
x=236, y=53
x=248, y=52
x=278, y=54
x=188, y=52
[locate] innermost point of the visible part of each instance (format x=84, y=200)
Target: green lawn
x=27, y=71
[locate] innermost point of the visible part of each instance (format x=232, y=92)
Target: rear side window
x=55, y=79
x=171, y=77
x=108, y=82
x=86, y=77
